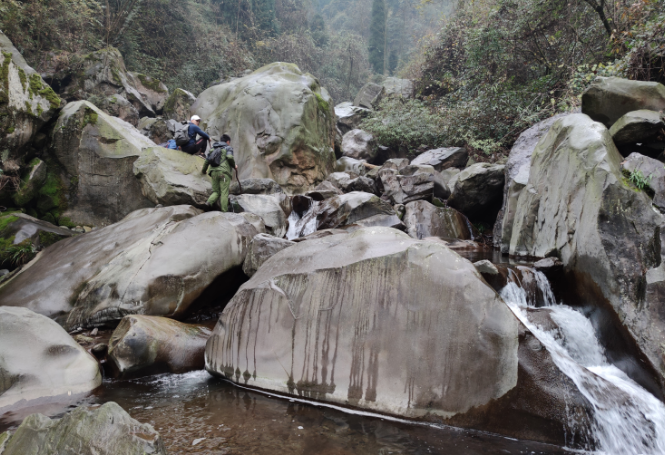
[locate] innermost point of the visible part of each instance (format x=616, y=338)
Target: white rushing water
x=627, y=419
x=302, y=226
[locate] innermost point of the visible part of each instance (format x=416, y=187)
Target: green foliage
x=639, y=180
x=393, y=61
x=16, y=255
x=47, y=239
x=377, y=36
x=317, y=28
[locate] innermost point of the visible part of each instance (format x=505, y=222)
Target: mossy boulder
x=178, y=104
x=33, y=178
x=26, y=101
x=117, y=106
x=95, y=154
x=107, y=430
x=281, y=122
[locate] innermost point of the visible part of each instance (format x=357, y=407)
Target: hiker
x=221, y=163
x=194, y=147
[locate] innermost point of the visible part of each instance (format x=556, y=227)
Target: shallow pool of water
x=198, y=414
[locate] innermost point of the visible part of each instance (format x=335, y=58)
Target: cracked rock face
x=281, y=123
x=154, y=262
x=39, y=360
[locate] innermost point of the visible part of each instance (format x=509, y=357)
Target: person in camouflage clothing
x=221, y=175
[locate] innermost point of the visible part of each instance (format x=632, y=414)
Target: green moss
x=66, y=221
x=5, y=221
x=47, y=239
x=4, y=71
x=23, y=78
x=90, y=116
x=53, y=99
x=52, y=194
x=323, y=104
x=10, y=130
x=116, y=75
x=153, y=84
x=28, y=108
x=51, y=218
x=35, y=83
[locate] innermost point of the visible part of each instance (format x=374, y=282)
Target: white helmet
x=194, y=117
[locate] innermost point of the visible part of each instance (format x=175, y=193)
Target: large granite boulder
x=351, y=165
x=349, y=116
x=157, y=130
x=478, y=192
x=155, y=262
x=443, y=158
x=637, y=126
x=347, y=183
x=653, y=173
x=330, y=318
x=359, y=145
x=26, y=101
x=441, y=189
x=178, y=105
x=281, y=122
x=402, y=88
x=402, y=189
x=369, y=96
x=102, y=74
x=40, y=361
x=172, y=177
x=578, y=207
x=118, y=106
x=270, y=207
x=96, y=154
x=516, y=178
x=609, y=98
x=423, y=219
x=107, y=430
x=145, y=345
x=261, y=248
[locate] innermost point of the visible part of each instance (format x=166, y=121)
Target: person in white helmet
x=194, y=146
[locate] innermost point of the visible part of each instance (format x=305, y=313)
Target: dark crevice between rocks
x=580, y=291
x=212, y=301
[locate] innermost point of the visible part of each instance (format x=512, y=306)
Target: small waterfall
x=628, y=420
x=302, y=220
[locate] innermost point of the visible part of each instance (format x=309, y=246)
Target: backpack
x=214, y=156
x=171, y=144
x=182, y=135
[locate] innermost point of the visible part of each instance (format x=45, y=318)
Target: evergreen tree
x=317, y=28
x=377, y=36
x=393, y=61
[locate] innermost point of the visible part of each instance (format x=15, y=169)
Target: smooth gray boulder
x=324, y=190
x=396, y=87
x=478, y=191
x=146, y=345
x=441, y=189
x=516, y=177
x=609, y=98
x=155, y=261
x=486, y=267
x=261, y=248
x=350, y=208
x=402, y=189
x=369, y=96
x=348, y=183
x=318, y=321
x=359, y=145
x=349, y=116
x=20, y=228
x=26, y=101
x=443, y=158
x=578, y=207
x=268, y=207
x=282, y=123
x=177, y=106
x=96, y=154
x=172, y=177
x=637, y=126
x=107, y=430
x=255, y=186
x=423, y=219
x=351, y=165
x=653, y=173
x=40, y=361
x=395, y=163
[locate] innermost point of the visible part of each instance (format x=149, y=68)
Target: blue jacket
x=193, y=131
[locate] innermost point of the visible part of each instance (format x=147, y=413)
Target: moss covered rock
x=95, y=154
x=26, y=101
x=177, y=106
x=107, y=430
x=33, y=178
x=281, y=122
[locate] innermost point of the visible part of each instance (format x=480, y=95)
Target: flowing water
x=300, y=226
x=627, y=419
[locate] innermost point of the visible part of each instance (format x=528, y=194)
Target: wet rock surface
x=145, y=345
x=39, y=361
x=107, y=430
x=423, y=219
x=276, y=111
x=268, y=207
x=478, y=190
